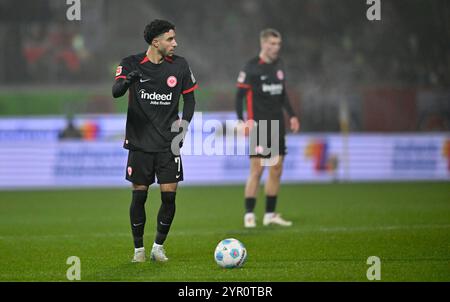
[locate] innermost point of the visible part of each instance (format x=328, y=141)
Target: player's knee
x=140, y=187
x=170, y=187
x=256, y=173
x=276, y=170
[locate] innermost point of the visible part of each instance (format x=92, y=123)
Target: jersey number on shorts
x=178, y=161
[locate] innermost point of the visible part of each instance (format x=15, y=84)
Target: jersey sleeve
x=285, y=98
x=243, y=80
x=189, y=83
x=286, y=103
x=123, y=69
x=244, y=91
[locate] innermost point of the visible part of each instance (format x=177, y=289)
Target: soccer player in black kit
x=155, y=80
x=262, y=84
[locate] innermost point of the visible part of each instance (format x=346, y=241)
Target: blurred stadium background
x=387, y=83
x=373, y=98
x=332, y=52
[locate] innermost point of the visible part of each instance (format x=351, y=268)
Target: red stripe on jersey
x=241, y=85
x=261, y=61
x=121, y=77
x=190, y=89
x=145, y=59
x=249, y=104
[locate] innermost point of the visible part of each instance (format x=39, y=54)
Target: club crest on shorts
x=259, y=149
x=280, y=75
x=172, y=81
x=129, y=170
x=118, y=70
x=241, y=77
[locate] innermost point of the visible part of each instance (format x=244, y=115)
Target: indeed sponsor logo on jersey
x=156, y=97
x=273, y=89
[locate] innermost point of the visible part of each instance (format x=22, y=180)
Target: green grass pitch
x=336, y=228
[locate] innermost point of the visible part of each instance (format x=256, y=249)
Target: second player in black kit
x=262, y=83
x=263, y=87
x=155, y=80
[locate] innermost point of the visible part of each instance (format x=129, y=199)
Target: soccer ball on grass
x=230, y=253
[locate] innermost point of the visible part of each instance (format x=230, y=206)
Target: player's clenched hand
x=133, y=76
x=295, y=124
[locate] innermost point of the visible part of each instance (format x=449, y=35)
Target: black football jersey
x=153, y=100
x=265, y=83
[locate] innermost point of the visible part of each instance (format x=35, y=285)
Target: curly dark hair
x=156, y=28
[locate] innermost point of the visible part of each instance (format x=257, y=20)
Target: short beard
x=164, y=53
